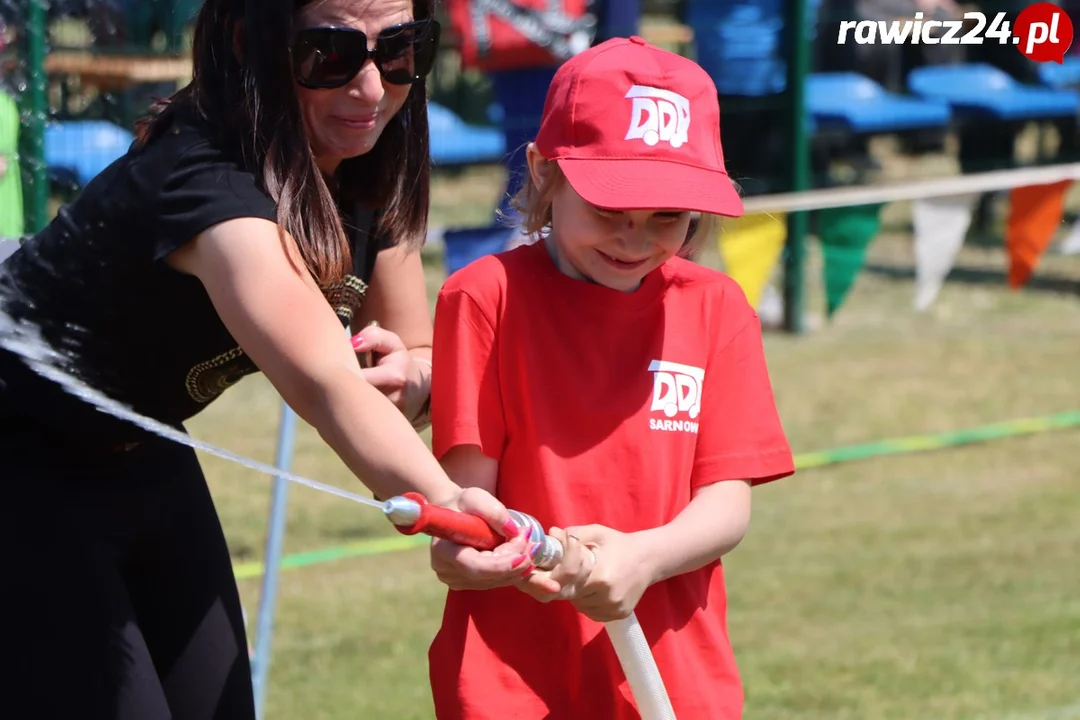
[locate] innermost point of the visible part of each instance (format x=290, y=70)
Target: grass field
x=937, y=586
x=941, y=585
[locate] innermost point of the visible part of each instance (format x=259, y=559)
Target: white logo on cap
x=658, y=115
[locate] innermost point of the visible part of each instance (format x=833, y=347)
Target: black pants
x=118, y=595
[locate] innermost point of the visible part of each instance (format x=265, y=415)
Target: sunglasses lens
x=406, y=53
x=326, y=58
x=331, y=57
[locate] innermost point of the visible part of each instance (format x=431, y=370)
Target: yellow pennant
x=750, y=247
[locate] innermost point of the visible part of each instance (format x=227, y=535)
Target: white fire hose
x=632, y=649
x=412, y=514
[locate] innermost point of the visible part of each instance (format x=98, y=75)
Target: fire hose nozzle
x=411, y=513
x=549, y=552
x=402, y=511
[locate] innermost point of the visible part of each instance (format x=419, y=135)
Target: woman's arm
x=470, y=468
x=281, y=319
x=397, y=300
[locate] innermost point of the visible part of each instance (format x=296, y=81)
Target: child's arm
x=741, y=443
x=711, y=525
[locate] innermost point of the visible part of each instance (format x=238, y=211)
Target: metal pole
x=34, y=110
x=798, y=222
x=275, y=540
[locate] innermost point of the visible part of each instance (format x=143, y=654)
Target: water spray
x=410, y=513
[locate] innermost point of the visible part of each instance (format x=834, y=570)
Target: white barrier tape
x=911, y=190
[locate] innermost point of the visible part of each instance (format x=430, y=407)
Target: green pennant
x=11, y=199
x=845, y=234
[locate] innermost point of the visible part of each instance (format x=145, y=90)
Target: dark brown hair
x=253, y=104
x=534, y=204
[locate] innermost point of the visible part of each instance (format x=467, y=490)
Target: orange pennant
x=1035, y=212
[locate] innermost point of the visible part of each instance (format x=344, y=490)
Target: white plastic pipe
x=640, y=667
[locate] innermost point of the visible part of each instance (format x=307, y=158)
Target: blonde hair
x=534, y=205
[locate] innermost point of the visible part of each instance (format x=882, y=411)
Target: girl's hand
x=565, y=580
x=620, y=576
x=396, y=373
x=465, y=568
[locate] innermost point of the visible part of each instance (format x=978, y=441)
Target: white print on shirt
x=676, y=389
x=658, y=115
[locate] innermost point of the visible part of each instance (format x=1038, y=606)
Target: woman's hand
x=465, y=568
x=396, y=373
x=620, y=576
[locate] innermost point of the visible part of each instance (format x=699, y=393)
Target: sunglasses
x=330, y=57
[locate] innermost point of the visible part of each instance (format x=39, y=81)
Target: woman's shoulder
x=200, y=177
x=181, y=140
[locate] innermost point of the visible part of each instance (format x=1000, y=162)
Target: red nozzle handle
x=452, y=525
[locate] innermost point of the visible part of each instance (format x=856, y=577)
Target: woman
x=288, y=181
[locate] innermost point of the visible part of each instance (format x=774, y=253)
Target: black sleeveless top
x=96, y=282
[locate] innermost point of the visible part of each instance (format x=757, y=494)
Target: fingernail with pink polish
x=518, y=560
x=528, y=571
x=357, y=342
x=510, y=529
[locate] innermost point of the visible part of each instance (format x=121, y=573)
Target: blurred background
x=923, y=343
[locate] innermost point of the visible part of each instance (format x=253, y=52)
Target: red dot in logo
x=1044, y=32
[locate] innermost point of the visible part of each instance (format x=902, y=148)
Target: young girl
x=616, y=391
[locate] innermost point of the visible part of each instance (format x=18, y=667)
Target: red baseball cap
x=634, y=127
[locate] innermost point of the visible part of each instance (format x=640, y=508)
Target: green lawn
x=940, y=585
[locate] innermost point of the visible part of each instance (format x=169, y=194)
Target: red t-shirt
x=601, y=407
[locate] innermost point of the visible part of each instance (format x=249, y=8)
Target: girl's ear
x=540, y=168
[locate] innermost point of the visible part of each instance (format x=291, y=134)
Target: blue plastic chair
x=1065, y=75
x=982, y=91
x=83, y=148
x=740, y=43
x=518, y=104
x=462, y=246
x=455, y=142
x=850, y=102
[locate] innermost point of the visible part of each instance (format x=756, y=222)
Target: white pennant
x=940, y=226
x=1071, y=244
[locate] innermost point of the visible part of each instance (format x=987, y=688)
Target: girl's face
x=613, y=248
x=346, y=122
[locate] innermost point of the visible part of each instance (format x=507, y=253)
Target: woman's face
x=346, y=122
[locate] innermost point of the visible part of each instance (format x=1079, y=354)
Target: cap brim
x=651, y=185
